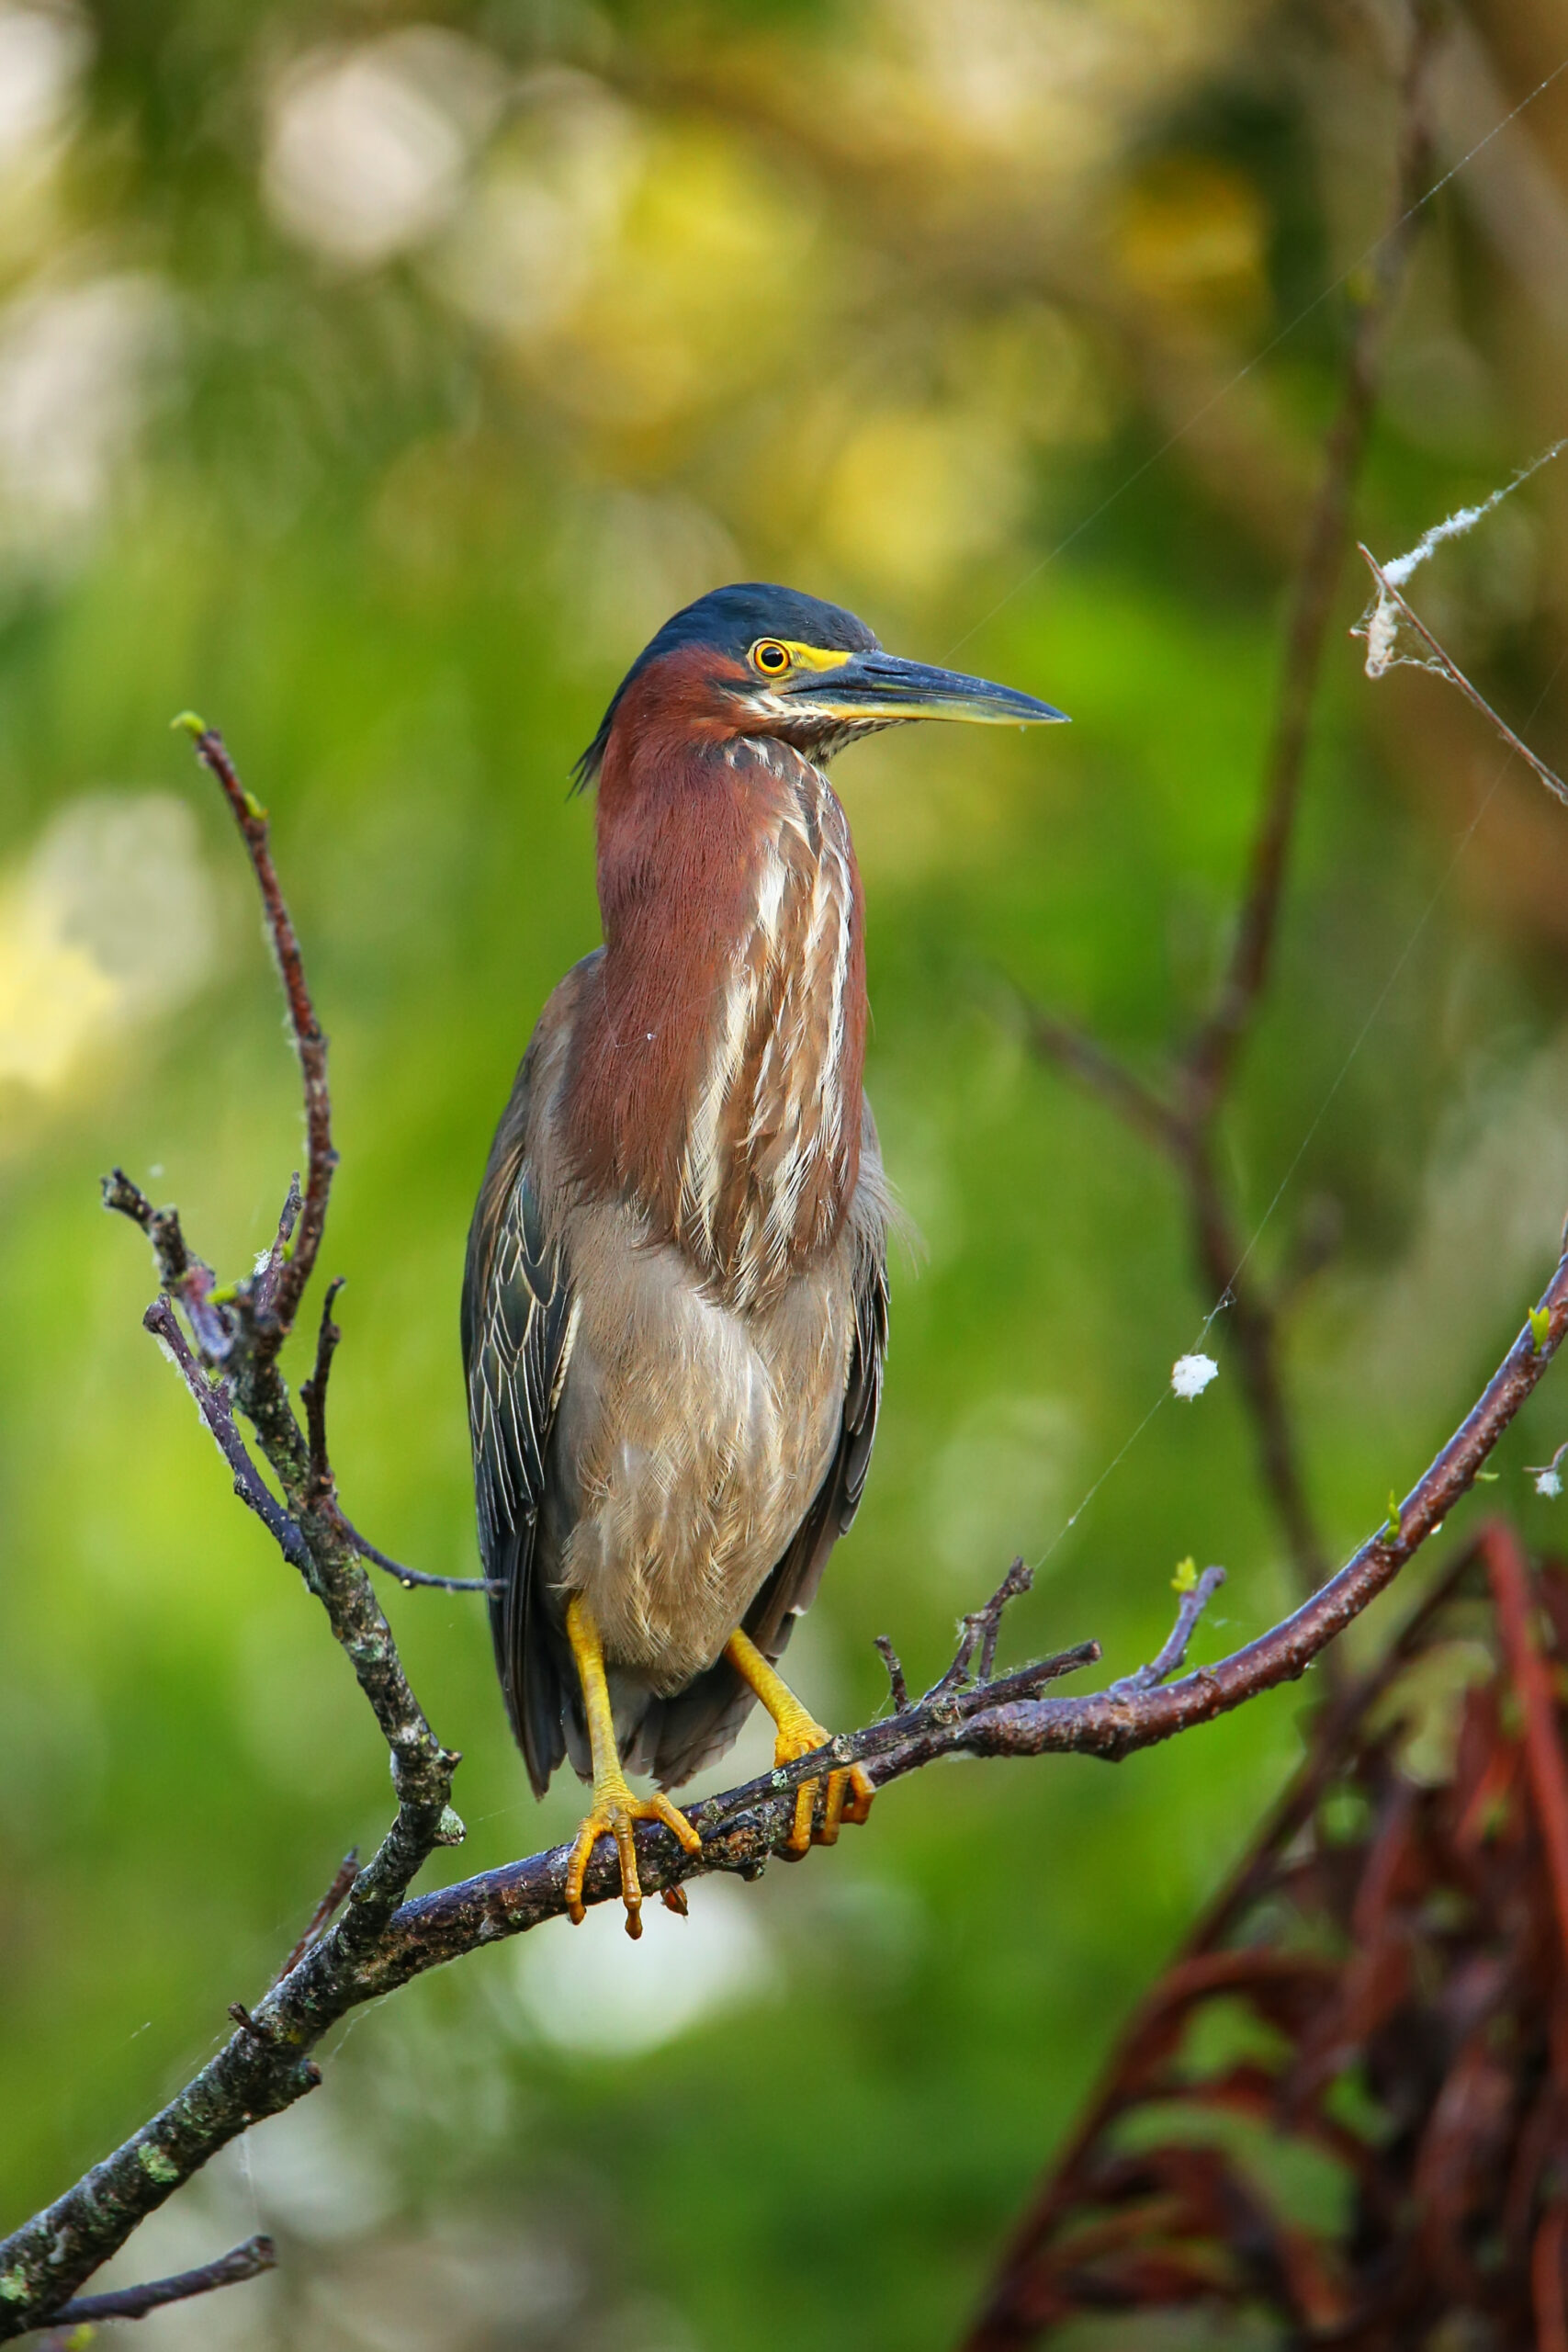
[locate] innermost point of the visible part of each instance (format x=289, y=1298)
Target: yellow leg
x=614, y=1810
x=850, y=1790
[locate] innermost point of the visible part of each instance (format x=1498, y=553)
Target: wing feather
x=518, y=1323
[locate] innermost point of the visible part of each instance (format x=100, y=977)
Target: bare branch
x=319, y=1484
x=741, y=1829
x=285, y=1290
x=414, y=1579
x=248, y=2261
x=252, y=1329
x=896, y=1682
x=1446, y=667
x=183, y=1276
x=322, y=1485
x=212, y=1400
x=978, y=1634
x=1099, y=1073
x=277, y=1256
x=1173, y=1656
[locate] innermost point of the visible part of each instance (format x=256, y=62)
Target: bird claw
x=849, y=1792
x=614, y=1813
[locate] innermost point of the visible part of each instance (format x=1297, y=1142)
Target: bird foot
x=614, y=1813
x=850, y=1790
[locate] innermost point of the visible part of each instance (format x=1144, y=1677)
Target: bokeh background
x=374, y=379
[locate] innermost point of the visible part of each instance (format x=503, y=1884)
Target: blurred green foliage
x=378, y=384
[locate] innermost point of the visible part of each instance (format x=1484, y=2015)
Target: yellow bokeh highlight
x=54, y=995
x=1192, y=234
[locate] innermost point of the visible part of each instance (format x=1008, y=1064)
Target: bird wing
x=686, y=1731
x=517, y=1322
x=792, y=1587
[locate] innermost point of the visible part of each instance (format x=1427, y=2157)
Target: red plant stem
x=1543, y=1751
x=1546, y=2283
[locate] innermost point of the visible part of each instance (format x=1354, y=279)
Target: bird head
x=757, y=660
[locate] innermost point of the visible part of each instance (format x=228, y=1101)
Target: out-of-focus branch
x=231, y=2269
x=1098, y=1071
x=1207, y=1064
x=1531, y=1675
x=1183, y=1120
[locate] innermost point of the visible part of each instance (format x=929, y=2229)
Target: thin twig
x=1173, y=1656
x=331, y=1902
x=412, y=1578
x=314, y=1396
x=1098, y=1070
x=320, y=1484
x=896, y=1682
x=277, y=1256
x=248, y=2261
x=183, y=1276
x=285, y=1290
x=213, y=1403
x=978, y=1634
x=1448, y=668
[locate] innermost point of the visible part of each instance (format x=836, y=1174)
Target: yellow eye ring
x=771, y=657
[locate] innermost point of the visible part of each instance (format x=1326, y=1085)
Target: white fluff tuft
x=1189, y=1375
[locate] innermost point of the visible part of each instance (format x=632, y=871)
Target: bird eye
x=771, y=657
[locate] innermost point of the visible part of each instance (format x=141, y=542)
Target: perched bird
x=675, y=1303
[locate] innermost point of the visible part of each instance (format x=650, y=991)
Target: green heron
x=675, y=1303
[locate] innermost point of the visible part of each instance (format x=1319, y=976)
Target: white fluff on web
x=1189, y=1375
x=1380, y=623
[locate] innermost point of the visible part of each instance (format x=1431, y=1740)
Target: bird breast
x=693, y=1438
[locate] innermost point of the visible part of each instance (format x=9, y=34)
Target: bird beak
x=880, y=687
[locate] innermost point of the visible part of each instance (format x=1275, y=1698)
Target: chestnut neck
x=715, y=1070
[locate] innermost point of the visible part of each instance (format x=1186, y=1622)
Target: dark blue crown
x=731, y=620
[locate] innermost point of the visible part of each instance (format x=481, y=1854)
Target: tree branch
x=295, y=1259
x=254, y=2076
x=232, y=2269
x=412, y=1578
x=212, y=1402
x=1097, y=1072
